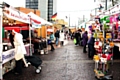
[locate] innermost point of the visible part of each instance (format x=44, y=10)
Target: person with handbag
x=20, y=51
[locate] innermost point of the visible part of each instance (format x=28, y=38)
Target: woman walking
x=85, y=40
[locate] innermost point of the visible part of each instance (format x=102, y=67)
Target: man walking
x=57, y=36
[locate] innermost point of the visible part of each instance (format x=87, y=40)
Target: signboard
x=7, y=56
x=12, y=13
x=35, y=25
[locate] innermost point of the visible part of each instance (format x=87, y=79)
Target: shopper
x=62, y=38
x=20, y=51
x=77, y=37
x=11, y=38
x=85, y=39
x=57, y=36
x=91, y=49
x=52, y=41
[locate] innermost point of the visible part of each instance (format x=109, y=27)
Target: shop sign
x=16, y=15
x=8, y=55
x=35, y=25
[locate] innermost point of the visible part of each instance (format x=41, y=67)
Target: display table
x=8, y=60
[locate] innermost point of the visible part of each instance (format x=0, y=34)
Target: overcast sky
x=75, y=9
x=72, y=8
x=15, y=3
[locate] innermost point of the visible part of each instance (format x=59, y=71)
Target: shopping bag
x=74, y=41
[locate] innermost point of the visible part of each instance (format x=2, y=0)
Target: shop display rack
x=104, y=55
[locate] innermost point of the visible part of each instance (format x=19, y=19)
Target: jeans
x=57, y=41
x=91, y=51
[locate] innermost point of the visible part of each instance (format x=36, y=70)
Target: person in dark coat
x=91, y=49
x=85, y=39
x=77, y=37
x=57, y=36
x=11, y=38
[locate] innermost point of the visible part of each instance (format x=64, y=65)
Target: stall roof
x=15, y=14
x=43, y=22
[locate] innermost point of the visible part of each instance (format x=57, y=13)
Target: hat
x=16, y=30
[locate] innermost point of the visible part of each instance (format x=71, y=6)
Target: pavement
x=65, y=63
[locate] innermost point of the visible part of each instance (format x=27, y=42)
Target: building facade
x=47, y=7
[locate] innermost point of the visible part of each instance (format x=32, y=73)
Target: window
x=27, y=0
x=27, y=6
x=50, y=1
x=35, y=0
x=34, y=7
x=27, y=3
x=50, y=10
x=50, y=7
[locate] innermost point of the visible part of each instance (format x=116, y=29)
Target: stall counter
x=8, y=60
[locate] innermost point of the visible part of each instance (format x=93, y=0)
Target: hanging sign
x=15, y=14
x=7, y=56
x=35, y=25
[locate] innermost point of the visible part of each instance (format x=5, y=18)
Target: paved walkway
x=65, y=63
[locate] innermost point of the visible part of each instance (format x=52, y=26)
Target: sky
x=75, y=9
x=15, y=3
x=71, y=8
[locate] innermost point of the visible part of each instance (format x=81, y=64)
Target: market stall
x=10, y=19
x=106, y=34
x=42, y=23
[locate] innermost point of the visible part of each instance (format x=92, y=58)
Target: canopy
x=35, y=17
x=15, y=14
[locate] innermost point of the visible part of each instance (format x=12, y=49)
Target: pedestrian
x=57, y=36
x=91, y=49
x=11, y=38
x=77, y=37
x=85, y=39
x=62, y=38
x=20, y=51
x=52, y=38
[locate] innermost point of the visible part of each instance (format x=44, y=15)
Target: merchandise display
x=104, y=45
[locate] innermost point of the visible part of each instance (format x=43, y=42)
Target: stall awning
x=16, y=28
x=15, y=14
x=35, y=17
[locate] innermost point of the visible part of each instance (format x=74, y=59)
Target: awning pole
x=30, y=36
x=1, y=46
x=46, y=39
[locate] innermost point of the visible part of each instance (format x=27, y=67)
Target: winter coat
x=57, y=34
x=91, y=41
x=85, y=39
x=19, y=46
x=52, y=37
